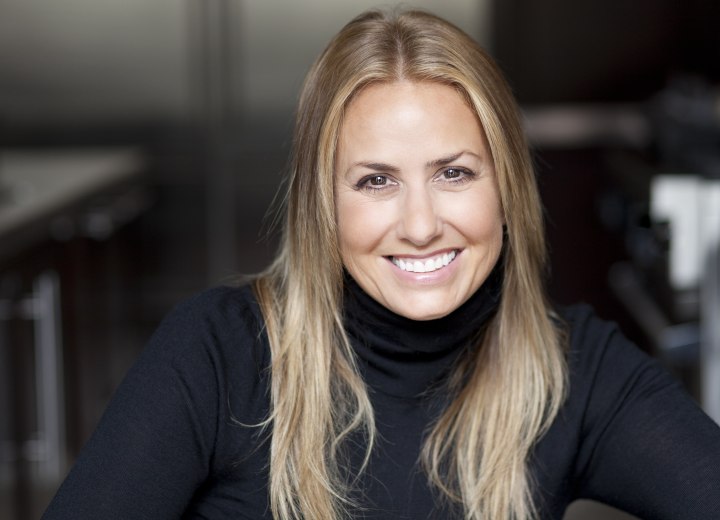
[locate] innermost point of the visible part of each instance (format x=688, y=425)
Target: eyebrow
x=377, y=166
x=445, y=160
x=442, y=161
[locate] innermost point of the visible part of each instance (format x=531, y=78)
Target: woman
x=399, y=358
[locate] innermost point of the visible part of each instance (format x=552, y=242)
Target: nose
x=420, y=221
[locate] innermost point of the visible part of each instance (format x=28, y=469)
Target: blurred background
x=141, y=144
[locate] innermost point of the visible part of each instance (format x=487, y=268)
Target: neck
x=406, y=358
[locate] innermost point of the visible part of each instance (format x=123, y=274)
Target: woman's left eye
x=455, y=175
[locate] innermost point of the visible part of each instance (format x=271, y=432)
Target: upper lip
x=425, y=256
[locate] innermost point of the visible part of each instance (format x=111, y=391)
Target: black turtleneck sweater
x=175, y=441
x=404, y=363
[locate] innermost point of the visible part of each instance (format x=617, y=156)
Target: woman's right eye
x=374, y=182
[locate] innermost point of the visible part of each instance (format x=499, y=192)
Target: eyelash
x=467, y=175
x=364, y=183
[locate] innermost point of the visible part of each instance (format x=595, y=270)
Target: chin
x=423, y=313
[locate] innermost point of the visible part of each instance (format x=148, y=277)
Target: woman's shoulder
x=221, y=323
x=592, y=338
x=211, y=347
x=608, y=371
x=582, y=317
x=219, y=305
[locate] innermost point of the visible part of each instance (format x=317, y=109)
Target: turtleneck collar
x=403, y=357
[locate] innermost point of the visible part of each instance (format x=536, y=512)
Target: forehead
x=420, y=117
x=403, y=94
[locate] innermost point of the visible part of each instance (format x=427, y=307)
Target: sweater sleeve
x=154, y=446
x=647, y=447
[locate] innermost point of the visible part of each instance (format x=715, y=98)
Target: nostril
x=420, y=228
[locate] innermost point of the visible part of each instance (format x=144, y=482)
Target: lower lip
x=435, y=277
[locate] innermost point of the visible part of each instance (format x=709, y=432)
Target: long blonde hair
x=505, y=395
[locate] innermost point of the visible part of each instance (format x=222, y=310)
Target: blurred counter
x=44, y=194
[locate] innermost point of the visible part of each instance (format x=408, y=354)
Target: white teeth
x=427, y=266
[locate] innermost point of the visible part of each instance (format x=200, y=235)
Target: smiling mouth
x=413, y=265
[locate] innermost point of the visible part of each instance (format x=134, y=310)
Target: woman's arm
x=155, y=445
x=647, y=447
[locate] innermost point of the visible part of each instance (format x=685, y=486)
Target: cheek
x=479, y=218
x=486, y=233
x=363, y=228
x=354, y=227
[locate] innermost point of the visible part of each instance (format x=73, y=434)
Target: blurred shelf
x=44, y=193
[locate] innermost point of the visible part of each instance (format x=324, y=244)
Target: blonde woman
x=399, y=358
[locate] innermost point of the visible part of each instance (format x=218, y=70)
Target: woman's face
x=418, y=208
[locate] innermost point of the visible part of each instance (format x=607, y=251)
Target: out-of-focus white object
x=691, y=206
